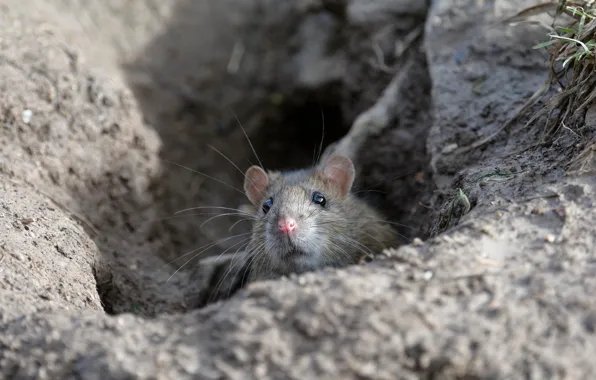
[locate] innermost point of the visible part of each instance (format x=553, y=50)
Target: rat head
x=300, y=214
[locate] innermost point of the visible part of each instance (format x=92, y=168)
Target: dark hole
x=291, y=141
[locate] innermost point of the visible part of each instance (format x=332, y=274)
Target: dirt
x=102, y=103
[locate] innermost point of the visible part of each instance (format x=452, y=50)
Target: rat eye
x=267, y=205
x=319, y=198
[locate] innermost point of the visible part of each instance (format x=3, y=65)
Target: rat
x=308, y=219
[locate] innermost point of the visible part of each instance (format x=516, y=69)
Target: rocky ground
x=99, y=98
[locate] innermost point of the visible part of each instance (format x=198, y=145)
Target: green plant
x=572, y=49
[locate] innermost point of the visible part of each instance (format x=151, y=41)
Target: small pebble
x=18, y=256
x=27, y=221
x=417, y=242
x=550, y=238
x=428, y=275
x=27, y=114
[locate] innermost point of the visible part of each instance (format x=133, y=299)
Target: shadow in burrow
x=186, y=92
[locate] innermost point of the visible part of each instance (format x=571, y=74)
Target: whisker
x=383, y=221
x=247, y=139
x=318, y=154
x=205, y=175
x=254, y=255
x=374, y=238
x=213, y=207
x=236, y=166
x=188, y=261
x=380, y=221
x=234, y=225
x=403, y=225
x=187, y=215
x=355, y=244
x=242, y=243
x=369, y=191
x=206, y=245
x=218, y=216
x=387, y=180
x=341, y=250
x=226, y=274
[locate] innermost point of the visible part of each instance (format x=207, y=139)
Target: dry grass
x=572, y=50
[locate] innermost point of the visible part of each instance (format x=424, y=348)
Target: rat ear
x=340, y=170
x=256, y=183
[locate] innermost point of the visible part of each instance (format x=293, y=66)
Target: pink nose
x=286, y=224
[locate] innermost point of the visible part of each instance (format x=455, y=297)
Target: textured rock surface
x=504, y=291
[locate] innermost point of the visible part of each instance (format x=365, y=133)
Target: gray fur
x=339, y=234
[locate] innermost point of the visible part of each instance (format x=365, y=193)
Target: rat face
x=298, y=213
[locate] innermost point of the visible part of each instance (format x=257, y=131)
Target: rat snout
x=287, y=225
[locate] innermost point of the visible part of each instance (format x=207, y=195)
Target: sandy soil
x=97, y=98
